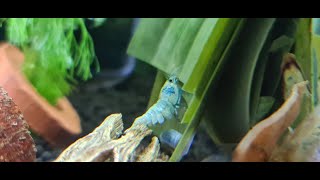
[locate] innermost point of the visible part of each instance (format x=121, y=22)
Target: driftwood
x=108, y=143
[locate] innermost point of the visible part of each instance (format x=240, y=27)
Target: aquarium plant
x=58, y=52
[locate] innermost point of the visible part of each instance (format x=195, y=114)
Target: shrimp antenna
x=175, y=72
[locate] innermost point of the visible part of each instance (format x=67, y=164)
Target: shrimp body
x=166, y=108
x=167, y=105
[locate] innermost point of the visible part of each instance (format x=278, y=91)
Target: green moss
x=54, y=57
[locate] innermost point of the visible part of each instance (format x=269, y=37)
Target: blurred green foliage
x=54, y=56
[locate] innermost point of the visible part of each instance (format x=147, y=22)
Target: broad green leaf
x=147, y=37
x=228, y=118
x=315, y=57
x=164, y=43
x=315, y=77
x=201, y=50
x=182, y=46
x=264, y=107
x=176, y=44
x=210, y=64
x=302, y=51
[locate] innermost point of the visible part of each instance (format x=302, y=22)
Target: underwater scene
x=159, y=90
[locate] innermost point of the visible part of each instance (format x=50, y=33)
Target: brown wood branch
x=108, y=143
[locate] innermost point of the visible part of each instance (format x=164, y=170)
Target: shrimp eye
x=170, y=80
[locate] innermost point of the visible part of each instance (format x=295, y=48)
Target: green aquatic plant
x=58, y=51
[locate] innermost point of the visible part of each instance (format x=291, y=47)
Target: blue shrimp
x=165, y=109
x=167, y=105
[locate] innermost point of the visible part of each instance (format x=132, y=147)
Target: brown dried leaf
x=261, y=140
x=16, y=144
